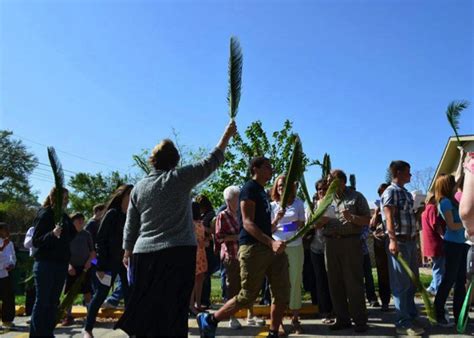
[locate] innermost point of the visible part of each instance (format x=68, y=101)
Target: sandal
x=297, y=329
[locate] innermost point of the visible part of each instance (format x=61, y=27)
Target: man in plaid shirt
x=227, y=237
x=400, y=225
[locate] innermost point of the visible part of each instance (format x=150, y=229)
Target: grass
x=216, y=289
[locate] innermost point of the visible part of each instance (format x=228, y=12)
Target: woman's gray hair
x=230, y=192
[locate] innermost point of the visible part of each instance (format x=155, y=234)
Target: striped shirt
x=403, y=214
x=227, y=225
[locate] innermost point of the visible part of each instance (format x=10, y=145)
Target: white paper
x=106, y=280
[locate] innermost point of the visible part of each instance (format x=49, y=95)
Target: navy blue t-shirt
x=255, y=192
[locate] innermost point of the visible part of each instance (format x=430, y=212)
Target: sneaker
x=385, y=308
x=255, y=321
x=8, y=325
x=360, y=328
x=338, y=325
x=234, y=324
x=107, y=305
x=206, y=329
x=444, y=323
x=374, y=303
x=412, y=331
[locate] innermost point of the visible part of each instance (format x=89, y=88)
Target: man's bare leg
x=276, y=313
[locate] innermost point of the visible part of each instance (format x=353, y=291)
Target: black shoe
x=385, y=308
x=374, y=303
x=338, y=325
x=361, y=328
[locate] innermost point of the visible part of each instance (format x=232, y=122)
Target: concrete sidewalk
x=380, y=324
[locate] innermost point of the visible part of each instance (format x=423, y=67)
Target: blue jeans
x=403, y=290
x=100, y=296
x=454, y=275
x=223, y=284
x=438, y=272
x=49, y=281
x=117, y=295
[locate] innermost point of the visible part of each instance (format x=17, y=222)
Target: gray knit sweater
x=159, y=215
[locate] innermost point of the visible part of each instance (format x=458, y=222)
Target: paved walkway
x=379, y=322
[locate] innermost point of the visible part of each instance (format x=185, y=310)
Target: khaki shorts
x=256, y=262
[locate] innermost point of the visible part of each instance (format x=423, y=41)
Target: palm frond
x=323, y=205
x=141, y=164
x=430, y=311
x=352, y=181
x=235, y=76
x=71, y=296
x=464, y=315
x=293, y=172
x=453, y=113
x=58, y=182
x=307, y=197
x=327, y=164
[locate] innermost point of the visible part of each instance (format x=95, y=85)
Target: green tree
x=254, y=142
x=91, y=189
x=16, y=165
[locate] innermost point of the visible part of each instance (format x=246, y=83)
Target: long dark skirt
x=162, y=285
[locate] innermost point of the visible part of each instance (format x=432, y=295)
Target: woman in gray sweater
x=160, y=244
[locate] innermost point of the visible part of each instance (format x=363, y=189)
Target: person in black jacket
x=51, y=262
x=110, y=253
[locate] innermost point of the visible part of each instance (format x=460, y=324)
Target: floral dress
x=201, y=260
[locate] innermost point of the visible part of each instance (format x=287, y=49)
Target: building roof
x=450, y=158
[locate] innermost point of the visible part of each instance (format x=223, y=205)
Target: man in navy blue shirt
x=259, y=255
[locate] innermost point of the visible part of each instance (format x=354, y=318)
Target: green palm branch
x=71, y=296
x=235, y=76
x=307, y=197
x=453, y=113
x=59, y=184
x=141, y=164
x=293, y=172
x=430, y=311
x=327, y=164
x=323, y=205
x=464, y=316
x=352, y=181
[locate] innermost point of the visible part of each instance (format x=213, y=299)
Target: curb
x=258, y=310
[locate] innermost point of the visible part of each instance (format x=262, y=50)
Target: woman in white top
x=285, y=223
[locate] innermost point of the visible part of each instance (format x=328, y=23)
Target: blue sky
x=365, y=81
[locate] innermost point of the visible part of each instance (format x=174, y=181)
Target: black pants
x=213, y=264
x=162, y=285
x=381, y=262
x=322, y=286
x=454, y=274
x=309, y=279
x=369, y=280
x=7, y=296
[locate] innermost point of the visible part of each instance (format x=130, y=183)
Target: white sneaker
x=255, y=321
x=234, y=324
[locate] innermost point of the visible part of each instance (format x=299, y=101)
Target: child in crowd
x=201, y=261
x=82, y=253
x=7, y=263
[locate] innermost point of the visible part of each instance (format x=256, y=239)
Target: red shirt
x=226, y=225
x=431, y=224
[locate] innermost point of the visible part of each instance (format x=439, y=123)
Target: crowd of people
x=164, y=247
